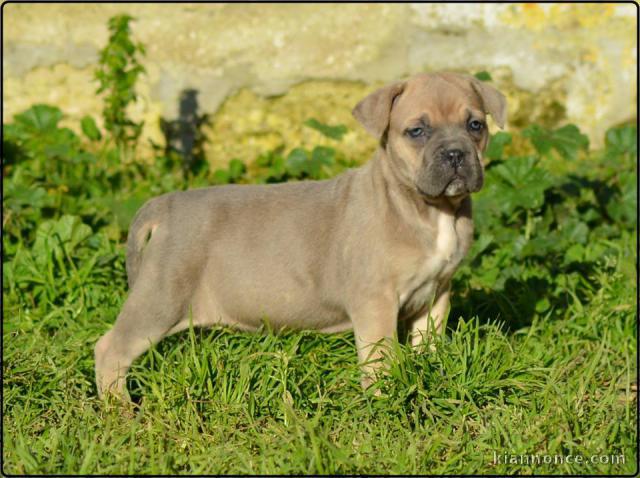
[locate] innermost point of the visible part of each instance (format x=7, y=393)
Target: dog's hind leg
x=156, y=304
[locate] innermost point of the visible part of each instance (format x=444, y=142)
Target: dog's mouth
x=455, y=187
x=438, y=180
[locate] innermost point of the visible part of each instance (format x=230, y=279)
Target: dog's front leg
x=434, y=321
x=374, y=325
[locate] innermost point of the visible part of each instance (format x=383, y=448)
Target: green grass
x=539, y=357
x=224, y=402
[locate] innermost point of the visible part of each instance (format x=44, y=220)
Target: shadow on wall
x=184, y=136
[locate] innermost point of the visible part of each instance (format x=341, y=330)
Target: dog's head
x=434, y=130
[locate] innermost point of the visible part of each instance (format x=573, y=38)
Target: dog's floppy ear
x=374, y=111
x=493, y=101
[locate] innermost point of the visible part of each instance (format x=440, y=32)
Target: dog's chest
x=433, y=265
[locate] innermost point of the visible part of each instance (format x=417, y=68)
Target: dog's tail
x=142, y=226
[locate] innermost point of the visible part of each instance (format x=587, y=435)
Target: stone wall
x=262, y=69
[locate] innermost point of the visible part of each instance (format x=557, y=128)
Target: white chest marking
x=419, y=286
x=447, y=239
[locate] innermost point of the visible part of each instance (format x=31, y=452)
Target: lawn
x=538, y=362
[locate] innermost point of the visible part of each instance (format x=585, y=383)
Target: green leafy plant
x=232, y=174
x=117, y=73
x=334, y=132
x=567, y=141
x=544, y=227
x=321, y=162
x=483, y=76
x=497, y=142
x=621, y=141
x=90, y=128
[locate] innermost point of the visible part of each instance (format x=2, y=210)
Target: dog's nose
x=454, y=157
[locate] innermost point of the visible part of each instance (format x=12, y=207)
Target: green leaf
x=221, y=176
x=539, y=137
x=483, y=76
x=264, y=160
x=90, y=129
x=479, y=245
x=574, y=231
x=334, y=132
x=277, y=169
x=525, y=182
x=496, y=144
x=321, y=159
x=622, y=140
x=40, y=118
x=539, y=246
x=623, y=207
x=575, y=253
x=19, y=196
x=296, y=162
x=542, y=305
x=13, y=133
x=517, y=182
x=594, y=251
x=567, y=141
x=58, y=150
x=53, y=236
x=236, y=169
x=72, y=230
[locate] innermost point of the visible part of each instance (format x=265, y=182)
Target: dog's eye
x=415, y=132
x=475, y=125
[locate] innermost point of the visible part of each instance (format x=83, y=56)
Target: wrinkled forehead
x=443, y=100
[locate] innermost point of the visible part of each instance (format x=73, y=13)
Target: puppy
x=365, y=250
